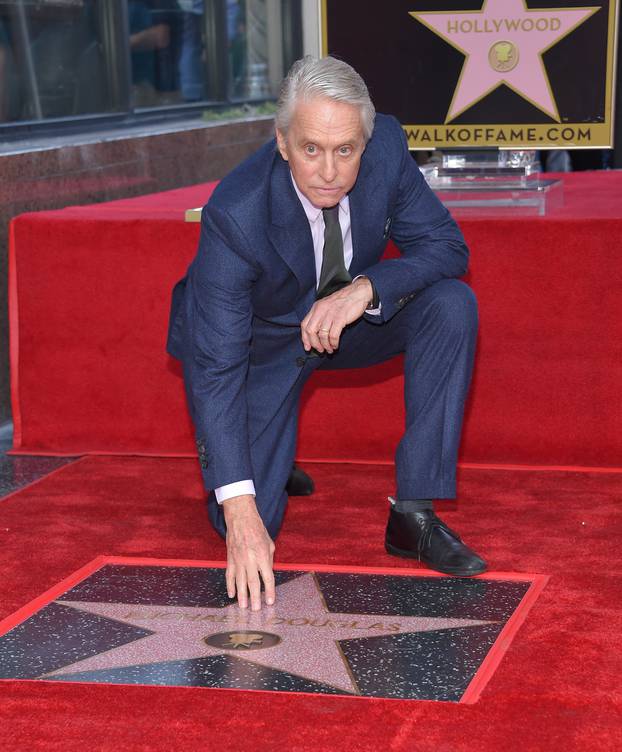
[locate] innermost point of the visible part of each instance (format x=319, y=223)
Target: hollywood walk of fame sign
x=484, y=73
x=397, y=633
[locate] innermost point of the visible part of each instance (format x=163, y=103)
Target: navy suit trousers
x=437, y=332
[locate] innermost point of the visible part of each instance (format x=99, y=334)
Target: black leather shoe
x=423, y=536
x=299, y=483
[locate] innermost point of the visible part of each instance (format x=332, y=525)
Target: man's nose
x=328, y=170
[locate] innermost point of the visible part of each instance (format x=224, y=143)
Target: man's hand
x=322, y=326
x=250, y=552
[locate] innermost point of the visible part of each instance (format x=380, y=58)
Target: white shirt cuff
x=238, y=488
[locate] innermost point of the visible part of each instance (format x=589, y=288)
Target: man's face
x=324, y=145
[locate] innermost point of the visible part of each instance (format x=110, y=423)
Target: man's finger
x=310, y=326
x=335, y=334
x=316, y=344
x=240, y=582
x=324, y=337
x=230, y=580
x=304, y=328
x=312, y=334
x=310, y=339
x=305, y=337
x=254, y=586
x=267, y=576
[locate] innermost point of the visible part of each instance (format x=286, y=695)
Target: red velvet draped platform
x=89, y=300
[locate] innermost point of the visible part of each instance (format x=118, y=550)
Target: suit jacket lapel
x=364, y=219
x=291, y=235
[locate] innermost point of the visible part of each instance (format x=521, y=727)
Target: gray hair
x=326, y=77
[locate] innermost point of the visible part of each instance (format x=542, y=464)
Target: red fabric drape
x=90, y=289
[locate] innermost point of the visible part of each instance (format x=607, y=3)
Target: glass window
x=157, y=33
x=258, y=46
x=52, y=61
x=199, y=50
x=71, y=58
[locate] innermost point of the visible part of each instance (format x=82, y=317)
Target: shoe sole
x=447, y=570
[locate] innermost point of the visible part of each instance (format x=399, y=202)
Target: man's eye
x=345, y=151
x=310, y=149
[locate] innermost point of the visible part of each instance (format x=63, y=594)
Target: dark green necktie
x=334, y=274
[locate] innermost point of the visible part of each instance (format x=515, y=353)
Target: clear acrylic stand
x=496, y=183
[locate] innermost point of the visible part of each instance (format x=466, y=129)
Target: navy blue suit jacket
x=235, y=319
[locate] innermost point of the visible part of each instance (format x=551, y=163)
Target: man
x=288, y=279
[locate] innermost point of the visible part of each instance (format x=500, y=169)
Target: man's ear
x=281, y=144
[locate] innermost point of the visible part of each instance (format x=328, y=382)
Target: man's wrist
x=373, y=301
x=238, y=506
x=364, y=284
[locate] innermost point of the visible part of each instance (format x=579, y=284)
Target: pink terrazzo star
x=308, y=633
x=503, y=44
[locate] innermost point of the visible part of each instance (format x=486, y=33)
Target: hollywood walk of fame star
x=303, y=636
x=503, y=43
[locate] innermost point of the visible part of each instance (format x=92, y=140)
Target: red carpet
x=557, y=688
x=90, y=292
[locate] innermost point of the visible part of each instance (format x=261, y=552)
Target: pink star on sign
x=503, y=44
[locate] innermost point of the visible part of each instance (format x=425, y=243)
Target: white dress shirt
x=316, y=224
